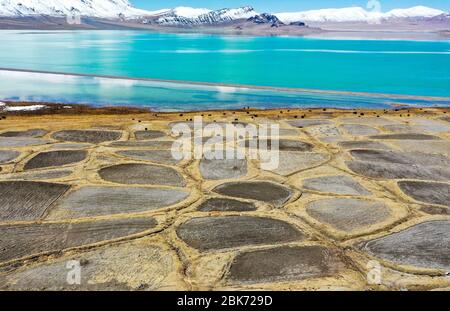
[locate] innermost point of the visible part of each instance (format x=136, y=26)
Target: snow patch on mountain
x=356, y=14
x=188, y=12
x=193, y=17
x=93, y=8
x=338, y=15
x=417, y=11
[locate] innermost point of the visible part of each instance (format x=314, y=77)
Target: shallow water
x=182, y=96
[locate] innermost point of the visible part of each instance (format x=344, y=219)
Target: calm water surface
x=393, y=67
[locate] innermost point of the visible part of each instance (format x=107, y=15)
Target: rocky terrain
x=359, y=201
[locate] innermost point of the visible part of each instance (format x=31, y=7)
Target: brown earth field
x=93, y=199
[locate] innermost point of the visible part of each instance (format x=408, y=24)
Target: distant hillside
x=120, y=14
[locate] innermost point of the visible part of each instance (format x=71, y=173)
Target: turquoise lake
x=418, y=68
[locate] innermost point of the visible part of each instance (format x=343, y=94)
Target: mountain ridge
x=196, y=16
x=91, y=8
x=357, y=14
x=120, y=14
x=172, y=18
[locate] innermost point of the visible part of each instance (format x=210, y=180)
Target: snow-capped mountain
x=184, y=16
x=186, y=12
x=179, y=16
x=325, y=15
x=191, y=17
x=356, y=14
x=417, y=11
x=92, y=8
x=266, y=18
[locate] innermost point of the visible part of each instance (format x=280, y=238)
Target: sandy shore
x=84, y=109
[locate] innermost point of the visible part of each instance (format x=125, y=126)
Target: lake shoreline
x=88, y=110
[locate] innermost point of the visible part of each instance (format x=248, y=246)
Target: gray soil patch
x=435, y=210
x=124, y=259
x=7, y=156
x=322, y=131
x=432, y=126
x=44, y=175
x=401, y=128
x=264, y=191
x=25, y=200
x=283, y=145
x=405, y=136
x=146, y=135
x=56, y=158
x=87, y=136
x=359, y=129
x=142, y=174
x=29, y=133
x=433, y=193
x=283, y=264
x=398, y=171
x=158, y=144
x=20, y=241
x=214, y=233
x=307, y=123
x=285, y=132
x=429, y=146
x=363, y=144
x=368, y=121
x=69, y=146
x=401, y=157
x=11, y=142
x=343, y=185
x=424, y=245
x=446, y=119
x=223, y=169
x=293, y=162
x=99, y=201
x=226, y=205
x=157, y=156
x=348, y=214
